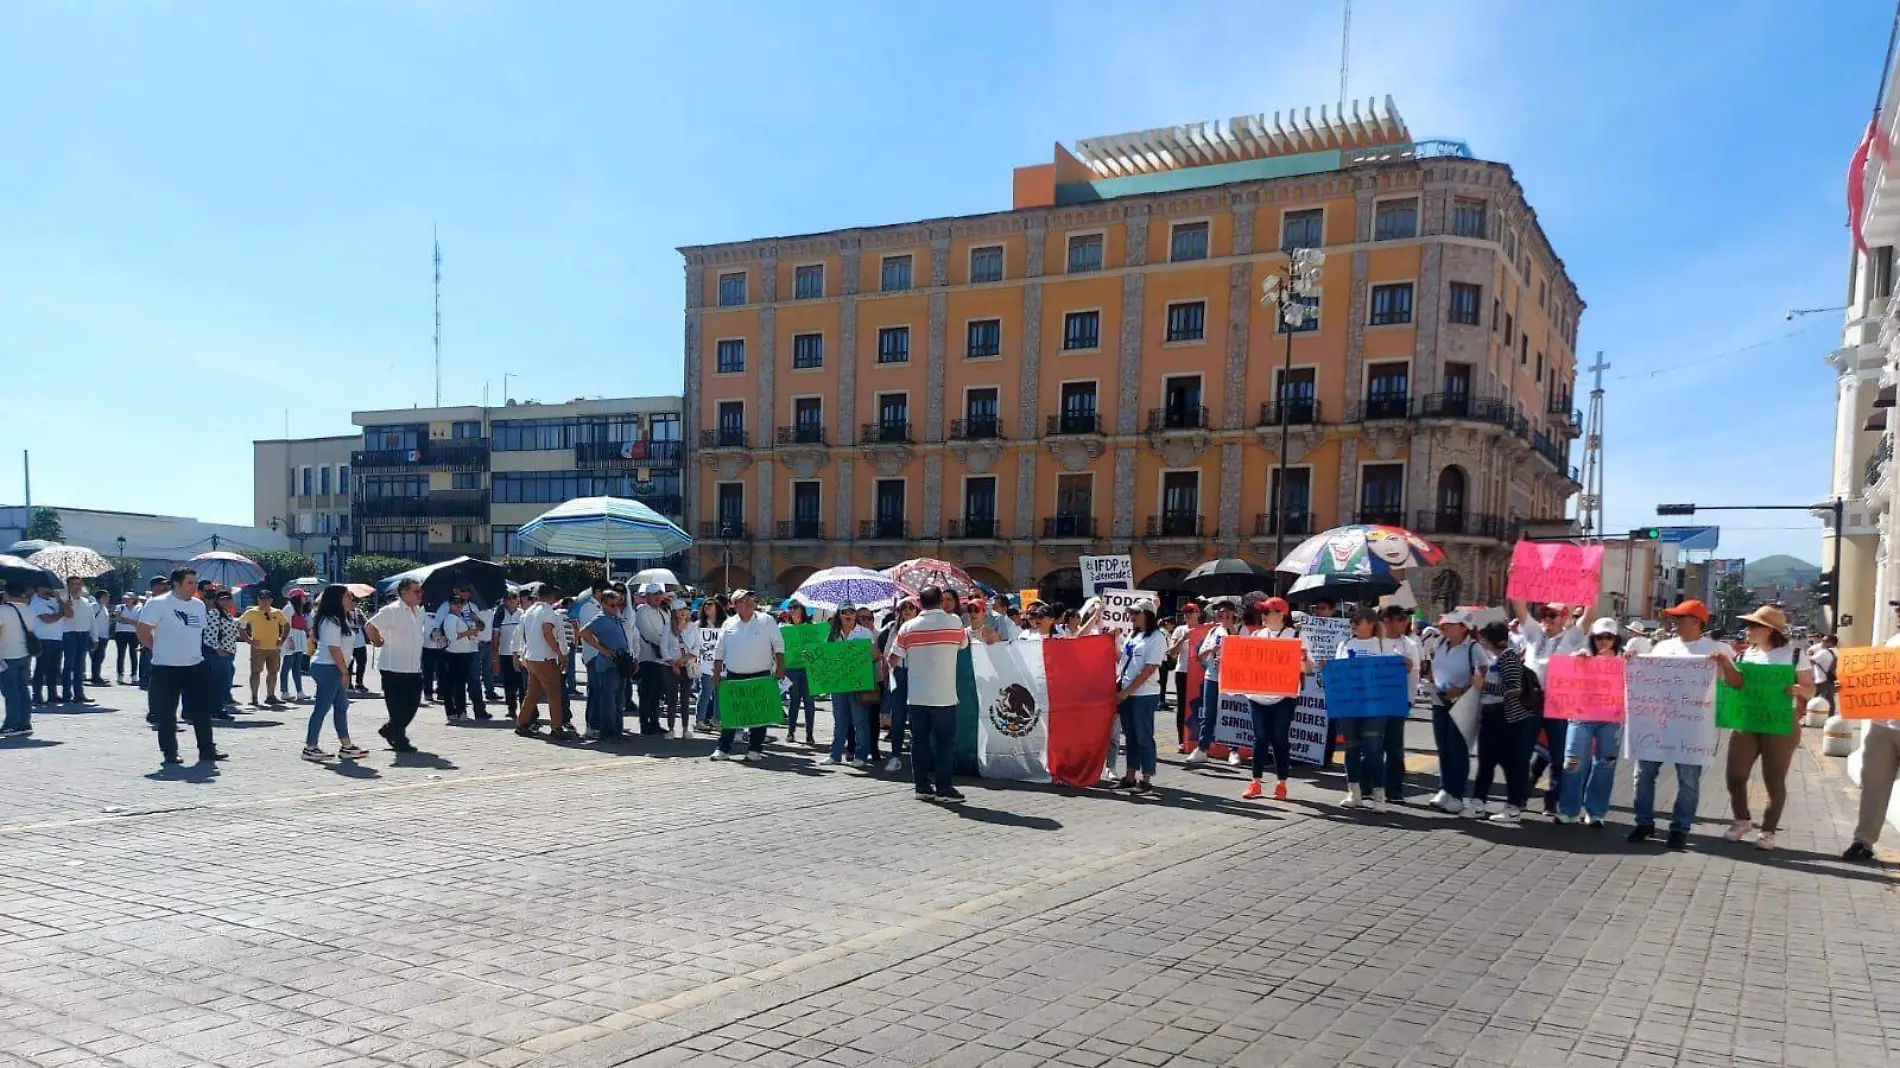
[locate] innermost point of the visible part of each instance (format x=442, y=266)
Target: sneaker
x=743, y=756
x=1492, y=808
x=527, y=732
x=924, y=795
x=1643, y=832
x=1252, y=791
x=721, y=754
x=1859, y=851
x=1678, y=839
x=1561, y=818
x=894, y=764
x=314, y=754
x=1233, y=758
x=1279, y=790
x=1591, y=821
x=1441, y=799
x=834, y=760
x=1390, y=798
x=951, y=797
x=1766, y=840
x=1470, y=809
x=1509, y=814
x=352, y=751
x=858, y=762
x=1198, y=756
x=1142, y=788
x=1352, y=798
x=1737, y=830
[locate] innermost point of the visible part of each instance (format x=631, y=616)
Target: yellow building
x=1091, y=371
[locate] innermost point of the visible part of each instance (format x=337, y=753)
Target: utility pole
x=1591, y=504
x=437, y=243
x=26, y=462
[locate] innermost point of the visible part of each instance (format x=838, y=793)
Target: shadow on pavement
x=1003, y=818
x=350, y=769
x=23, y=742
x=200, y=773
x=424, y=760
x=244, y=724
x=70, y=710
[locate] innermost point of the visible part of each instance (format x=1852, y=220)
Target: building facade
x=1092, y=370
x=301, y=487
x=436, y=483
x=158, y=542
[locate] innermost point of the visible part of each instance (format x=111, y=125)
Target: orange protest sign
x=1261, y=665
x=1867, y=683
x=1025, y=598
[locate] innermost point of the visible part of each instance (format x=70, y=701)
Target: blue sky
x=212, y=212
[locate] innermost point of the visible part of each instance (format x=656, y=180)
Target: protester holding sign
x=1880, y=763
x=1225, y=615
x=1365, y=735
x=1507, y=727
x=1767, y=644
x=1553, y=632
x=1273, y=712
x=1137, y=695
x=1396, y=622
x=850, y=717
x=1692, y=620
x=800, y=693
x=1180, y=652
x=749, y=648
x=1458, y=665
x=712, y=621
x=1591, y=745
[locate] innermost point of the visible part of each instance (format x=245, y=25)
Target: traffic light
x=1675, y=509
x=1646, y=534
x=1823, y=585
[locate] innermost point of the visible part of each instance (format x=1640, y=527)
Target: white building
x=158, y=542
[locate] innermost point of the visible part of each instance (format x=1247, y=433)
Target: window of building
x=808, y=350
x=732, y=422
x=1540, y=368
x=1303, y=229
x=893, y=414
x=409, y=543
x=1310, y=324
x=980, y=413
x=1467, y=217
x=553, y=487
x=731, y=356
x=895, y=277
x=323, y=481
x=1382, y=493
x=1181, y=402
x=501, y=542
x=1081, y=330
x=808, y=282
x=1510, y=244
x=1188, y=242
x=986, y=264
x=306, y=482
x=1187, y=321
x=1510, y=329
x=1085, y=253
x=465, y=480
x=985, y=338
x=1464, y=303
x=465, y=533
x=1523, y=350
x=893, y=344
x=466, y=429
x=1394, y=220
x=1388, y=390
x=1078, y=408
x=808, y=419
x=1880, y=271
x=1298, y=391
x=663, y=426
x=1181, y=504
x=731, y=289
x=979, y=507
x=323, y=522
x=889, y=496
x=1392, y=304
x=1540, y=292
x=731, y=507
x=807, y=509
x=391, y=487
x=1294, y=504
x=1496, y=306
x=1075, y=496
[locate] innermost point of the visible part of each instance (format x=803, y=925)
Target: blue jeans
x=1365, y=750
x=331, y=695
x=1454, y=756
x=72, y=676
x=46, y=670
x=19, y=707
x=145, y=668
x=1589, y=776
x=703, y=715
x=1395, y=757
x=294, y=666
x=848, y=714
x=897, y=706
x=934, y=751
x=223, y=670
x=1138, y=727
x=1688, y=793
x=603, y=697
x=1209, y=712
x=800, y=695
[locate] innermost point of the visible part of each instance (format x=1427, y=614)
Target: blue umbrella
x=836, y=586
x=604, y=527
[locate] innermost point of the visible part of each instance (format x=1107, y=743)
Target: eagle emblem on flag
x=1015, y=713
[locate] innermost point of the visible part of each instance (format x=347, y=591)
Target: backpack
x=1530, y=690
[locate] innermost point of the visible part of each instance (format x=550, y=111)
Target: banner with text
x=1266, y=666
x=840, y=667
x=1867, y=683
x=1118, y=607
x=750, y=703
x=800, y=636
x=1762, y=705
x=1323, y=635
x=1585, y=687
x=708, y=645
x=1555, y=572
x=1107, y=573
x=1307, y=739
x=1362, y=686
x=1669, y=708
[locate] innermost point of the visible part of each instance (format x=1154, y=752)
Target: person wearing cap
x=1691, y=618
x=1767, y=644
x=1179, y=651
x=1226, y=617
x=1879, y=763
x=850, y=717
x=1590, y=746
x=1459, y=665
x=605, y=638
x=543, y=649
x=1552, y=632
x=649, y=625
x=1273, y=713
x=750, y=647
x=1396, y=622
x=505, y=651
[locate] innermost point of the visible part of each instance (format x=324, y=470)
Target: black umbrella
x=13, y=569
x=1228, y=577
x=440, y=580
x=1359, y=589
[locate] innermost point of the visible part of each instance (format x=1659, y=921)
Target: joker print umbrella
x=70, y=561
x=835, y=586
x=1361, y=549
x=227, y=569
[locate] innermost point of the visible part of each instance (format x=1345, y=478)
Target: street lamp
x=1288, y=294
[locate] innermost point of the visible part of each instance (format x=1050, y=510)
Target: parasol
x=1228, y=577
x=1361, y=549
x=836, y=586
x=15, y=570
x=440, y=580
x=912, y=576
x=30, y=546
x=226, y=569
x=1359, y=589
x=70, y=561
x=604, y=528
x=661, y=575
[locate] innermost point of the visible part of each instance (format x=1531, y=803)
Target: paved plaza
x=497, y=901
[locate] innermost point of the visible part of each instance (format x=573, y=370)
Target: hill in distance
x=1779, y=570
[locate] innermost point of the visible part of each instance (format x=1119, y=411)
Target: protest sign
x=750, y=703
x=1362, y=686
x=840, y=667
x=1306, y=738
x=1762, y=705
x=800, y=636
x=1233, y=721
x=707, y=645
x=1118, y=606
x=1323, y=634
x=1669, y=708
x=1585, y=687
x=1867, y=683
x=1261, y=665
x=1025, y=598
x=1555, y=572
x=1107, y=573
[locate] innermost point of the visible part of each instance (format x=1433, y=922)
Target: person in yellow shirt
x=264, y=626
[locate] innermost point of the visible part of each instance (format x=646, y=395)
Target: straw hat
x=1768, y=616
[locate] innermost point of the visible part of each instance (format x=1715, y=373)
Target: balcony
x=976, y=428
x=1459, y=523
x=725, y=437
x=438, y=504
x=449, y=550
x=1553, y=453
x=802, y=434
x=622, y=454
x=667, y=504
x=1299, y=523
x=1069, y=527
x=1176, y=525
x=885, y=432
x=973, y=528
x=725, y=529
x=1559, y=404
x=1177, y=417
x=1876, y=463
x=1296, y=412
x=1391, y=517
x=447, y=454
x=1380, y=406
x=1458, y=405
x=801, y=530
x=885, y=528
x=1073, y=423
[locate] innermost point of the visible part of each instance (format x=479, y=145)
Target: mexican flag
x=1046, y=708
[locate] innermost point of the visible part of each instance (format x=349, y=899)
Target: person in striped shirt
x=927, y=647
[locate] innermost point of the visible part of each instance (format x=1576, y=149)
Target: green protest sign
x=1762, y=704
x=840, y=667
x=750, y=703
x=800, y=637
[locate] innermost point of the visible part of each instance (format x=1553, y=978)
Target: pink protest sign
x=1555, y=572
x=1585, y=687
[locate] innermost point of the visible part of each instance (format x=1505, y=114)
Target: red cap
x=1691, y=607
x=1275, y=604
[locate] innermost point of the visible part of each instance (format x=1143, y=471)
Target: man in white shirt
x=1639, y=643
x=100, y=635
x=927, y=646
x=649, y=635
x=1457, y=666
x=485, y=655
x=397, y=629
x=750, y=646
x=172, y=627
x=48, y=614
x=544, y=648
x=1691, y=640
x=15, y=662
x=505, y=651
x=159, y=587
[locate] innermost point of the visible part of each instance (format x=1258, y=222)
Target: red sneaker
x=1279, y=791
x=1252, y=791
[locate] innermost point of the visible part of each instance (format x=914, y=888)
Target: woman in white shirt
x=331, y=671
x=1273, y=713
x=1138, y=694
x=1767, y=644
x=850, y=717
x=1226, y=615
x=1365, y=735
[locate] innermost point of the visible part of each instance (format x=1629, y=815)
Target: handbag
x=1464, y=715
x=32, y=639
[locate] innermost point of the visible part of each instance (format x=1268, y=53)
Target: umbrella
x=1359, y=589
x=70, y=561
x=836, y=586
x=30, y=546
x=15, y=570
x=656, y=574
x=310, y=585
x=1228, y=577
x=227, y=569
x=439, y=580
x=603, y=528
x=361, y=590
x=1361, y=549
x=912, y=576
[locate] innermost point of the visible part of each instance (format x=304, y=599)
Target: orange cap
x=1691, y=607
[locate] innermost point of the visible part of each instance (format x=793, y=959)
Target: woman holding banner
x=800, y=693
x=1225, y=613
x=1273, y=713
x=1138, y=694
x=1767, y=644
x=1507, y=727
x=1591, y=746
x=1365, y=753
x=850, y=717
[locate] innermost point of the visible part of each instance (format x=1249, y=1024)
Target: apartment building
x=301, y=488
x=435, y=483
x=1092, y=371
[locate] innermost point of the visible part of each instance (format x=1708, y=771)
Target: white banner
x=1118, y=607
x=1323, y=635
x=708, y=642
x=1012, y=697
x=1107, y=573
x=1233, y=726
x=1670, y=702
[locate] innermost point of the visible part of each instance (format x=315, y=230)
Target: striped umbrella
x=227, y=569
x=604, y=527
x=836, y=586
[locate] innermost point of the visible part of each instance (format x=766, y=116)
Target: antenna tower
x=1590, y=505
x=437, y=242
x=1345, y=53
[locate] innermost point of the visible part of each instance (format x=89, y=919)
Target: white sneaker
x=743, y=756
x=1470, y=809
x=1198, y=756
x=719, y=754
x=1561, y=818
x=1508, y=814
x=858, y=762
x=1447, y=803
x=590, y=736
x=834, y=760
x=1352, y=798
x=894, y=764
x=314, y=754
x=1766, y=840
x=1738, y=829
x=1233, y=758
x=1440, y=798
x=1371, y=802
x=1493, y=808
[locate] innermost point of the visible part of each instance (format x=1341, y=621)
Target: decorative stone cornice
x=887, y=458
x=1075, y=452
x=1178, y=447
x=727, y=464
x=803, y=460
x=979, y=457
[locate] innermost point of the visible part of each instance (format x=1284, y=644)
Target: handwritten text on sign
x=1670, y=709
x=1261, y=665
x=1306, y=736
x=750, y=703
x=708, y=645
x=1555, y=572
x=1323, y=635
x=1762, y=705
x=1867, y=683
x=840, y=667
x=1106, y=573
x=1118, y=608
x=1585, y=687
x=801, y=636
x=1362, y=686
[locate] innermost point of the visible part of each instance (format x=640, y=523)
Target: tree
x=123, y=576
x=282, y=566
x=566, y=573
x=44, y=526
x=372, y=568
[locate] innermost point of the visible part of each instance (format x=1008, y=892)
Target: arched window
x=1451, y=494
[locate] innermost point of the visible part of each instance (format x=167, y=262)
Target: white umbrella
x=227, y=569
x=70, y=561
x=661, y=575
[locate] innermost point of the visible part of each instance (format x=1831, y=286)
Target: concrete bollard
x=1837, y=737
x=1817, y=712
